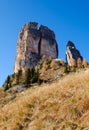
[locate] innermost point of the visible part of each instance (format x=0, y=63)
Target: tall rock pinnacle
x=72, y=53
x=33, y=43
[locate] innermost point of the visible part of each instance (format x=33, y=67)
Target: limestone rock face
x=33, y=44
x=72, y=53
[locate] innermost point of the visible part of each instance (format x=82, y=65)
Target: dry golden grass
x=58, y=106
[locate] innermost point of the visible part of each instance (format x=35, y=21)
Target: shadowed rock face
x=33, y=44
x=72, y=53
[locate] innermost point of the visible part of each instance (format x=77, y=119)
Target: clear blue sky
x=68, y=18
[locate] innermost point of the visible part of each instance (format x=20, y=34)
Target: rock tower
x=33, y=44
x=72, y=53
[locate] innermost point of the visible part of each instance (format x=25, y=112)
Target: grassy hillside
x=62, y=105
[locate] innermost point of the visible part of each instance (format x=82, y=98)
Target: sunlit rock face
x=72, y=53
x=33, y=44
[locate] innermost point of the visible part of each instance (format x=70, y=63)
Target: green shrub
x=66, y=69
x=34, y=79
x=39, y=81
x=73, y=69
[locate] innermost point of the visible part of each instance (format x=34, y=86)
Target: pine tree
x=27, y=76
x=8, y=79
x=18, y=76
x=7, y=84
x=35, y=76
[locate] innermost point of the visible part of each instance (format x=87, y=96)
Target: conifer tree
x=27, y=76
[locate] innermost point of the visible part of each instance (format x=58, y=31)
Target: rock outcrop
x=33, y=44
x=72, y=53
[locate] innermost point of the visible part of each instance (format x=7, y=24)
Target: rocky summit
x=33, y=43
x=72, y=53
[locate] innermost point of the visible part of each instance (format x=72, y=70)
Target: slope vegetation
x=62, y=105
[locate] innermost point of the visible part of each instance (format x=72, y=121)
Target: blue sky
x=69, y=19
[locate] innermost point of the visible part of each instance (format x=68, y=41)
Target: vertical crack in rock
x=39, y=46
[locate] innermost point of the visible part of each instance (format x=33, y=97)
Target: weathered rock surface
x=72, y=53
x=18, y=88
x=33, y=43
